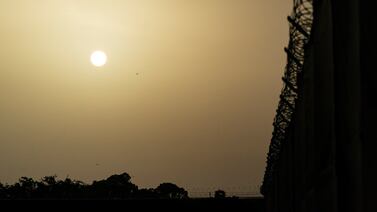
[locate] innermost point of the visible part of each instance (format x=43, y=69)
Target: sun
x=98, y=58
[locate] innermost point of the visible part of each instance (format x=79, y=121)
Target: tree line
x=115, y=187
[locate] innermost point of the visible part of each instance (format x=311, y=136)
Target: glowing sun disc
x=98, y=58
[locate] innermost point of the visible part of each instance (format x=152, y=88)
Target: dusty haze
x=188, y=95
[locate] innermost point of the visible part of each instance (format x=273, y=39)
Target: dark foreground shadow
x=229, y=204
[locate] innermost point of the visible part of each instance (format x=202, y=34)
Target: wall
x=326, y=161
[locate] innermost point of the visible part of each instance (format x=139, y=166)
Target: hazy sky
x=199, y=114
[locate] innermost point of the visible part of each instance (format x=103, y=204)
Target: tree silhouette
x=27, y=187
x=114, y=187
x=146, y=194
x=171, y=191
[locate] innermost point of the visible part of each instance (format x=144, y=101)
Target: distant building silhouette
x=322, y=152
x=220, y=194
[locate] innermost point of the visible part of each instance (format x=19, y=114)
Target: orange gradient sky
x=188, y=94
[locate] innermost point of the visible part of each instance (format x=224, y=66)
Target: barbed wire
x=300, y=21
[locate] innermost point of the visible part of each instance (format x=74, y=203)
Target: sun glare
x=98, y=58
